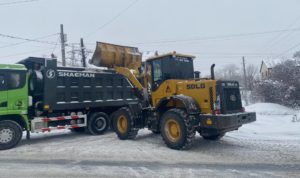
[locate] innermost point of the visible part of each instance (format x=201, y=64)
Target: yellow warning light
x=209, y=121
x=46, y=107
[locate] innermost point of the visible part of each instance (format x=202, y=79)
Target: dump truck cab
x=14, y=101
x=13, y=91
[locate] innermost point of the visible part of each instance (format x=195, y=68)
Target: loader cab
x=167, y=67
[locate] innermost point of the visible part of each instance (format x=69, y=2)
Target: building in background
x=267, y=66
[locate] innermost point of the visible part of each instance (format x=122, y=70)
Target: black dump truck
x=41, y=97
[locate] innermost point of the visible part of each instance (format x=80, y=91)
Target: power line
x=216, y=37
x=232, y=54
x=112, y=19
x=17, y=2
x=26, y=39
x=280, y=36
x=28, y=52
x=58, y=39
x=288, y=50
x=230, y=36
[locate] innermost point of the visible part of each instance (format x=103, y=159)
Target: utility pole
x=63, y=45
x=245, y=81
x=245, y=75
x=83, y=52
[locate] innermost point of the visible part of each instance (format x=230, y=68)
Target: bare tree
x=297, y=55
x=251, y=76
x=229, y=72
x=283, y=86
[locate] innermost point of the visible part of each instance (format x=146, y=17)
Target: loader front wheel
x=177, y=130
x=123, y=124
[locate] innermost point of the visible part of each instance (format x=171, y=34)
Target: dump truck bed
x=67, y=88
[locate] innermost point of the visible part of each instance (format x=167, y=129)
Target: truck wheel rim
x=172, y=129
x=6, y=135
x=100, y=123
x=122, y=124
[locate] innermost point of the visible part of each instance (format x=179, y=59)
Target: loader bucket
x=110, y=56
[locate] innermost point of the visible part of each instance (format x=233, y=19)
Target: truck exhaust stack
x=212, y=71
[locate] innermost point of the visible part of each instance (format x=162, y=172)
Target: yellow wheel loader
x=174, y=100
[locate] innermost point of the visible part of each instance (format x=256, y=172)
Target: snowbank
x=274, y=122
x=270, y=109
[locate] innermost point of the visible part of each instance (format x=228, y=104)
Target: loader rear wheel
x=10, y=134
x=98, y=123
x=177, y=130
x=123, y=124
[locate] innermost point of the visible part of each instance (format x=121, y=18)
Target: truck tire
x=213, y=137
x=10, y=134
x=123, y=124
x=97, y=123
x=176, y=129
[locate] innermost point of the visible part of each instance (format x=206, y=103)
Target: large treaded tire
x=97, y=123
x=14, y=130
x=185, y=122
x=129, y=131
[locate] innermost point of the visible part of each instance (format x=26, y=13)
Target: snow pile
x=273, y=122
x=269, y=109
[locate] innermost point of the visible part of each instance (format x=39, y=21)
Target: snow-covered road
x=268, y=148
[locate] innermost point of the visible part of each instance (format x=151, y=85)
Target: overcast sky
x=216, y=31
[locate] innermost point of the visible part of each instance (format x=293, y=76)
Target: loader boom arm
x=131, y=77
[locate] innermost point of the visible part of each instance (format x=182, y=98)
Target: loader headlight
x=232, y=97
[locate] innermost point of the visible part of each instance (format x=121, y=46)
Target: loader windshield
x=170, y=67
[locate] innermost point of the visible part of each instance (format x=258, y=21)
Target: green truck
x=14, y=102
x=36, y=95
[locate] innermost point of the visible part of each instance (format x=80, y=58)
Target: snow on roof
x=270, y=63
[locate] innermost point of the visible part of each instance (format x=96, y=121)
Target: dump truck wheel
x=10, y=134
x=213, y=137
x=98, y=123
x=176, y=129
x=123, y=124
